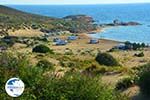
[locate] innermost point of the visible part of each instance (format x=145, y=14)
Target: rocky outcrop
x=119, y=23
x=130, y=23
x=80, y=18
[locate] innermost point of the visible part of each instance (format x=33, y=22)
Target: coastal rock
x=120, y=23
x=81, y=18
x=130, y=24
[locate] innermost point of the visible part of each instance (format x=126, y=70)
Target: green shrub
x=71, y=86
x=125, y=83
x=44, y=39
x=144, y=83
x=142, y=74
x=35, y=26
x=42, y=49
x=10, y=40
x=94, y=70
x=113, y=50
x=101, y=70
x=91, y=70
x=13, y=61
x=11, y=65
x=74, y=86
x=68, y=53
x=139, y=55
x=106, y=59
x=3, y=44
x=45, y=64
x=134, y=46
x=144, y=79
x=142, y=69
x=31, y=75
x=143, y=45
x=68, y=64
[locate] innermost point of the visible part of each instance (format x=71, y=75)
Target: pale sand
x=83, y=43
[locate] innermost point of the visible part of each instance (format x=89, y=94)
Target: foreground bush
x=13, y=61
x=144, y=83
x=125, y=83
x=45, y=64
x=139, y=54
x=106, y=59
x=72, y=86
x=10, y=66
x=42, y=49
x=142, y=74
x=144, y=79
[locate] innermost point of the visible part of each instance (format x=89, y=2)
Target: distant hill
x=12, y=19
x=17, y=13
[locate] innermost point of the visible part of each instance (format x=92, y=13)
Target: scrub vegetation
x=76, y=70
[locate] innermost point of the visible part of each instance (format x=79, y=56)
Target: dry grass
x=26, y=33
x=126, y=58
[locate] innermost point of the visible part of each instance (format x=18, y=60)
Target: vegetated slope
x=23, y=15
x=12, y=19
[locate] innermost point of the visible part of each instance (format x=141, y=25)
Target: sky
x=71, y=1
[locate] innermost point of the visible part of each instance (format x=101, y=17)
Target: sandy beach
x=82, y=43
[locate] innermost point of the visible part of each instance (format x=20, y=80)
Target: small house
x=61, y=42
x=120, y=46
x=94, y=41
x=56, y=39
x=72, y=37
x=92, y=33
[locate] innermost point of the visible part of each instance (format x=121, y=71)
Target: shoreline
x=82, y=43
x=87, y=35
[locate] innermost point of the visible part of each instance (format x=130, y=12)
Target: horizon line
x=84, y=4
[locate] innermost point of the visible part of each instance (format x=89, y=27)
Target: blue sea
x=103, y=14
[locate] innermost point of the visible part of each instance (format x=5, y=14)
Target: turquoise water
x=128, y=33
x=104, y=14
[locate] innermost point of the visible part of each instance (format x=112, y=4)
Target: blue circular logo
x=14, y=87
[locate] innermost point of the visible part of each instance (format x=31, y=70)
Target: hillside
x=12, y=19
x=26, y=16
